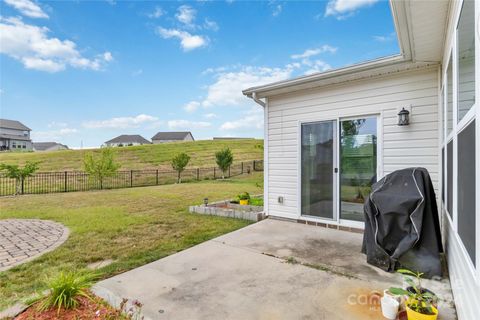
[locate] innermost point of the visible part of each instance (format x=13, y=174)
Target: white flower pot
x=389, y=307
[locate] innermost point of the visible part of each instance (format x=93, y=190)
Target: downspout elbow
x=260, y=102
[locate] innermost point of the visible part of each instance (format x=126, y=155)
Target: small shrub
x=244, y=196
x=13, y=171
x=65, y=289
x=179, y=162
x=224, y=159
x=101, y=167
x=256, y=202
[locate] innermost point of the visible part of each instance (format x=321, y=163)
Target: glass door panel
x=317, y=167
x=358, y=165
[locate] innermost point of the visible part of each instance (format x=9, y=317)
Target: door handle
x=335, y=170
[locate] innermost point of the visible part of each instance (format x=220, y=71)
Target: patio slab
x=247, y=275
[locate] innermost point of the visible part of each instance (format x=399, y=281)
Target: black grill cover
x=401, y=223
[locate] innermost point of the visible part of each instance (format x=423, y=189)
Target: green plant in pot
x=421, y=303
x=243, y=198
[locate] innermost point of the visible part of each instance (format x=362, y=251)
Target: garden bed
x=231, y=209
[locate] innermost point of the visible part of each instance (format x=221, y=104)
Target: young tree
x=179, y=162
x=102, y=166
x=13, y=171
x=224, y=160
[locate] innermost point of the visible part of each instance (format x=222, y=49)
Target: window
x=466, y=59
x=449, y=97
x=466, y=188
x=450, y=178
x=14, y=144
x=443, y=175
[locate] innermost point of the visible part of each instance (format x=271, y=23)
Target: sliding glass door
x=358, y=165
x=318, y=159
x=350, y=144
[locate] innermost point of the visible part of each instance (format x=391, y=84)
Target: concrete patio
x=270, y=270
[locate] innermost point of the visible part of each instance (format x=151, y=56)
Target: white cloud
x=227, y=89
x=192, y=106
x=121, y=122
x=27, y=8
x=52, y=134
x=210, y=25
x=253, y=119
x=313, y=52
x=187, y=40
x=316, y=66
x=277, y=10
x=186, y=15
x=31, y=46
x=157, y=13
x=385, y=38
x=210, y=116
x=342, y=9
x=187, y=124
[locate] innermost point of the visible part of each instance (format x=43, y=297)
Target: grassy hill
x=156, y=156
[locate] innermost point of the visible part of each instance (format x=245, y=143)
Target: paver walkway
x=22, y=240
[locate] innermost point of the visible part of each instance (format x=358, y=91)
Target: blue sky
x=86, y=71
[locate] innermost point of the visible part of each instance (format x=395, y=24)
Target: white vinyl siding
x=408, y=146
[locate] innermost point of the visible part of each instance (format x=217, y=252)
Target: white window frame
x=458, y=127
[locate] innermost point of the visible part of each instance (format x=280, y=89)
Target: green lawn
x=156, y=156
x=131, y=226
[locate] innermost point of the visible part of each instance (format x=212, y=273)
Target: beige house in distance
x=162, y=137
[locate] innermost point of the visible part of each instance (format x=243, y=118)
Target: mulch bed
x=87, y=309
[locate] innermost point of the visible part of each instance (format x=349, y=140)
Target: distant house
x=49, y=146
x=162, y=137
x=127, y=140
x=14, y=135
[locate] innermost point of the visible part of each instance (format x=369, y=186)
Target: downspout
x=265, y=152
x=260, y=102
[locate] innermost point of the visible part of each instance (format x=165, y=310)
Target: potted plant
x=390, y=305
x=243, y=198
x=421, y=303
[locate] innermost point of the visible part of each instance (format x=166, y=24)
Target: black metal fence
x=67, y=181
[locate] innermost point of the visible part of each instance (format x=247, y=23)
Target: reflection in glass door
x=317, y=167
x=358, y=165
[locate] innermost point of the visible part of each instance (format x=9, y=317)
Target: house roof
x=13, y=124
x=41, y=146
x=13, y=137
x=420, y=27
x=172, y=135
x=128, y=138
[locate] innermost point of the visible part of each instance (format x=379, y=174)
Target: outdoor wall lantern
x=205, y=201
x=403, y=117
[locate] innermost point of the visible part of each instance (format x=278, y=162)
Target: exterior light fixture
x=403, y=117
x=205, y=201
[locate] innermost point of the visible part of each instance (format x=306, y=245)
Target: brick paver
x=22, y=240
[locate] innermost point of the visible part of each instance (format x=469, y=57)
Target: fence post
x=65, y=181
x=242, y=167
x=214, y=177
x=156, y=178
x=23, y=180
x=198, y=174
x=254, y=165
x=229, y=175
x=131, y=178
